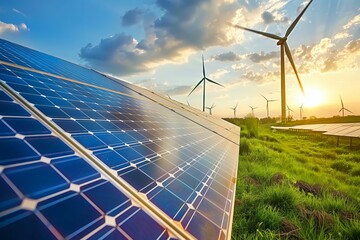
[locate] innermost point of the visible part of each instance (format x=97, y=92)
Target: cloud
x=302, y=6
x=340, y=52
x=218, y=74
x=275, y=17
x=260, y=77
x=224, y=57
x=257, y=58
x=19, y=12
x=239, y=66
x=183, y=28
x=132, y=17
x=24, y=27
x=117, y=53
x=267, y=17
x=8, y=27
x=353, y=22
x=348, y=27
x=325, y=56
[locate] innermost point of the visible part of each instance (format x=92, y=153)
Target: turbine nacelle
x=281, y=41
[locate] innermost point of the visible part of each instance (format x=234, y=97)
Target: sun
x=313, y=97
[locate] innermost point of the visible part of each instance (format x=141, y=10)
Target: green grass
x=292, y=186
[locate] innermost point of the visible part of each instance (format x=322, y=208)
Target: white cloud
x=183, y=28
x=19, y=12
x=218, y=74
x=353, y=22
x=24, y=27
x=8, y=27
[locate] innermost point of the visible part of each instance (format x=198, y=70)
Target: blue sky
x=158, y=45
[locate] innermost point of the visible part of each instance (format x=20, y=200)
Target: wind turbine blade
x=342, y=104
x=348, y=110
x=236, y=105
x=213, y=81
x=288, y=54
x=269, y=35
x=264, y=97
x=292, y=26
x=341, y=109
x=197, y=86
x=203, y=65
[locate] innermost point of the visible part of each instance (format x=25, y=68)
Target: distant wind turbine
x=204, y=79
x=188, y=103
x=210, y=109
x=252, y=110
x=289, y=111
x=267, y=104
x=343, y=109
x=234, y=109
x=284, y=48
x=301, y=111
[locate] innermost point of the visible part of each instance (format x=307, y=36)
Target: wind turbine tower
x=284, y=49
x=289, y=111
x=301, y=111
x=252, y=110
x=267, y=104
x=204, y=79
x=343, y=109
x=210, y=109
x=234, y=109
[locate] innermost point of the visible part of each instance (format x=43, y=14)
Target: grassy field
x=293, y=186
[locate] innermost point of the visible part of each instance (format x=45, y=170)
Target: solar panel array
x=86, y=155
x=332, y=129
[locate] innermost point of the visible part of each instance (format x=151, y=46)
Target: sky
x=158, y=44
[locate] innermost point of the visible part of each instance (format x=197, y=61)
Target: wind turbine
x=252, y=110
x=210, y=109
x=284, y=48
x=267, y=104
x=204, y=79
x=301, y=111
x=343, y=109
x=289, y=110
x=234, y=108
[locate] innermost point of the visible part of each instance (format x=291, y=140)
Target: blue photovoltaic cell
x=61, y=197
x=36, y=187
x=183, y=164
x=21, y=125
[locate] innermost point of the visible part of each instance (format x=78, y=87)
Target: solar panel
x=174, y=167
x=333, y=129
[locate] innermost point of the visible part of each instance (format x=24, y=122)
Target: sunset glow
x=313, y=97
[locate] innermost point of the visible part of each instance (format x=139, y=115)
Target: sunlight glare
x=313, y=97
